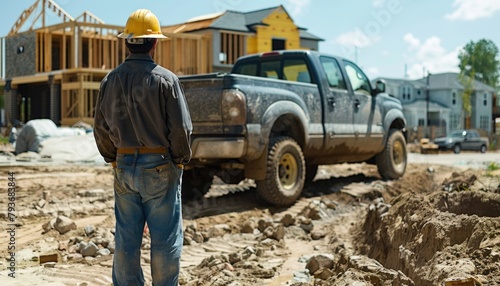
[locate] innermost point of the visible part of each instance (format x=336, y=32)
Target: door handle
x=357, y=105
x=331, y=102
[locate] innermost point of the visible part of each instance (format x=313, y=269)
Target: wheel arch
x=285, y=118
x=395, y=120
x=282, y=118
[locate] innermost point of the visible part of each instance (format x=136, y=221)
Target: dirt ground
x=433, y=225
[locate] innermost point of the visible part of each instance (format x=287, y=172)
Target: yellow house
x=235, y=34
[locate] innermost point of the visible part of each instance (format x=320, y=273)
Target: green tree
x=479, y=60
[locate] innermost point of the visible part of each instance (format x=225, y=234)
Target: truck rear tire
x=391, y=162
x=285, y=174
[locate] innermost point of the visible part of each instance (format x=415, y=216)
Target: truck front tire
x=285, y=173
x=391, y=162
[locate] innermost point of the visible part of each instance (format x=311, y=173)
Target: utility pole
x=427, y=105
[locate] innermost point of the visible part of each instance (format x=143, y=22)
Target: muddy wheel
x=285, y=173
x=195, y=183
x=457, y=149
x=391, y=162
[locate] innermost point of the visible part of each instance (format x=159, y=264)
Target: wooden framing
x=232, y=45
x=80, y=54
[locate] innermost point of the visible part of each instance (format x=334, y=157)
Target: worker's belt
x=142, y=150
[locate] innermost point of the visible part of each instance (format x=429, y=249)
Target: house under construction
x=54, y=71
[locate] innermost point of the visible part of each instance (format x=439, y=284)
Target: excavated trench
x=436, y=236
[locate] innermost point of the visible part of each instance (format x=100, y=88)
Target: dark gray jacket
x=142, y=104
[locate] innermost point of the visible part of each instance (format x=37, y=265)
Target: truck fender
x=256, y=168
x=394, y=119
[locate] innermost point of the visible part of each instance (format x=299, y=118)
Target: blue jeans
x=147, y=190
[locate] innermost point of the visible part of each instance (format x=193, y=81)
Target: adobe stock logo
x=372, y=29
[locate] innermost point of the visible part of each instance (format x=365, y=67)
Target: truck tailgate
x=203, y=94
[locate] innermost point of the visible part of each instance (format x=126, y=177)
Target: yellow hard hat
x=142, y=24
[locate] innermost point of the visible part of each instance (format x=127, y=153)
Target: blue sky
x=385, y=37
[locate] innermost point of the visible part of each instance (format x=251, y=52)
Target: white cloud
x=412, y=41
x=473, y=9
x=298, y=6
x=429, y=56
x=356, y=38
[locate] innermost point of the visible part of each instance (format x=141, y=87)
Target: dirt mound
x=451, y=232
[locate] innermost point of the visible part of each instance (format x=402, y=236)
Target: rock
x=64, y=224
x=308, y=227
x=48, y=226
x=198, y=237
x=323, y=273
x=263, y=273
x=320, y=261
x=287, y=220
x=234, y=257
x=248, y=227
x=263, y=224
x=103, y=252
x=279, y=232
x=89, y=230
x=74, y=256
x=50, y=265
x=317, y=234
x=46, y=196
x=89, y=250
x=41, y=203
x=92, y=193
x=111, y=246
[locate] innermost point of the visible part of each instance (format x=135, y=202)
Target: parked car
x=279, y=115
x=459, y=140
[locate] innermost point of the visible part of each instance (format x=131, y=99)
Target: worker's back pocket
x=159, y=180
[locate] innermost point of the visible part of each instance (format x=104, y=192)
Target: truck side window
x=270, y=69
x=247, y=69
x=359, y=82
x=333, y=73
x=296, y=70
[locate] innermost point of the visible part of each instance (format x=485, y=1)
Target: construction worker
x=143, y=128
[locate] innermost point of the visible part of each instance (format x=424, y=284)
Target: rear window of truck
x=288, y=69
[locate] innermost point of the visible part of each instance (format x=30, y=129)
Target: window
x=296, y=70
x=455, y=121
x=333, y=73
x=484, y=122
x=270, y=69
x=421, y=122
x=454, y=98
x=408, y=92
x=359, y=82
x=485, y=99
x=247, y=69
x=278, y=44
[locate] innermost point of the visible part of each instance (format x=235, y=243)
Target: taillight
x=234, y=111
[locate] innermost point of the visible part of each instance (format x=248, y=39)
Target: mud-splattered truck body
x=278, y=116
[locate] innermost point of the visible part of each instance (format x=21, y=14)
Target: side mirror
x=380, y=86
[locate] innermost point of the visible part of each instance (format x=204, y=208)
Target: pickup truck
x=463, y=140
x=277, y=116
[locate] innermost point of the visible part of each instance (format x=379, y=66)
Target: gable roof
x=442, y=81
x=232, y=21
